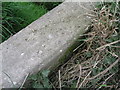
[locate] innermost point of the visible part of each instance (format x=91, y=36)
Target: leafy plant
x=17, y=15
x=40, y=80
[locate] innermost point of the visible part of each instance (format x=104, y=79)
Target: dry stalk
x=104, y=46
x=105, y=71
x=59, y=80
x=106, y=80
x=24, y=81
x=8, y=77
x=113, y=54
x=79, y=76
x=87, y=76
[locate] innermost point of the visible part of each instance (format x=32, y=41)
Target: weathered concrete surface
x=42, y=43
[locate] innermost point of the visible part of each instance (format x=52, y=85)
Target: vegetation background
x=94, y=65
x=17, y=15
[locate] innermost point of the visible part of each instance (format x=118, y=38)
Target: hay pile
x=95, y=65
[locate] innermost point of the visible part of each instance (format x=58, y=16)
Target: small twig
x=87, y=75
x=8, y=77
x=59, y=80
x=52, y=85
x=106, y=70
x=113, y=54
x=116, y=8
x=78, y=47
x=24, y=81
x=108, y=45
x=79, y=76
x=89, y=46
x=115, y=46
x=106, y=80
x=90, y=33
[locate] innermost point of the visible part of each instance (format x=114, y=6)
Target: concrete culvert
x=41, y=44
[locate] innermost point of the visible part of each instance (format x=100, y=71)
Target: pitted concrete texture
x=43, y=42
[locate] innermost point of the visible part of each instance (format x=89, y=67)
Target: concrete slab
x=43, y=42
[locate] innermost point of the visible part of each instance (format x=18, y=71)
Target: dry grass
x=95, y=65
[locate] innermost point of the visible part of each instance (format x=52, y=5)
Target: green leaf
x=45, y=73
x=33, y=77
x=88, y=54
x=46, y=83
x=37, y=85
x=103, y=85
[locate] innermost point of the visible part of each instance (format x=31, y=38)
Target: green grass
x=29, y=12
x=39, y=80
x=17, y=15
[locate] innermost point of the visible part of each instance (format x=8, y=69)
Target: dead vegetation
x=95, y=65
